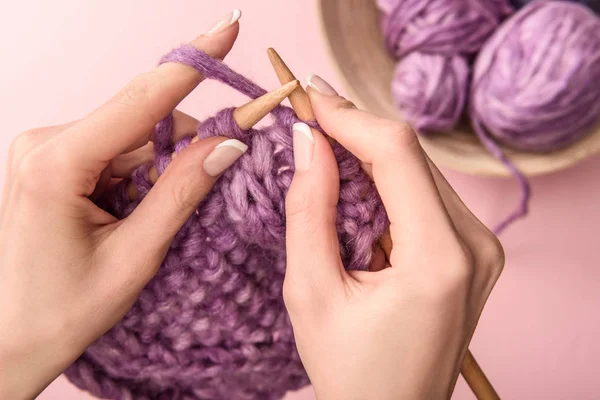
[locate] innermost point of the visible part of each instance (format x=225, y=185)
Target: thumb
x=176, y=195
x=313, y=256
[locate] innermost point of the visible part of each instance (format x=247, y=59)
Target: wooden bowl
x=355, y=40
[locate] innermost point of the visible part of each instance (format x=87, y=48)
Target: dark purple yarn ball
x=592, y=4
x=430, y=90
x=535, y=83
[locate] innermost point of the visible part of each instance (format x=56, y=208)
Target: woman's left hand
x=68, y=270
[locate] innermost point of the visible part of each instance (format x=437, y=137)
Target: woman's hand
x=68, y=270
x=400, y=332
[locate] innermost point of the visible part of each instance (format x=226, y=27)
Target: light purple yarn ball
x=445, y=27
x=212, y=323
x=430, y=90
x=431, y=38
x=536, y=82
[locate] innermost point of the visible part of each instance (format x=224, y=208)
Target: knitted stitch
x=212, y=323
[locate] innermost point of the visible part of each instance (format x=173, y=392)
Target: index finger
x=399, y=167
x=119, y=124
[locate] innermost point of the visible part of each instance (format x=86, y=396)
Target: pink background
x=538, y=336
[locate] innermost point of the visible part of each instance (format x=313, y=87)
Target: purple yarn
x=430, y=90
x=212, y=323
x=444, y=27
x=432, y=38
x=542, y=94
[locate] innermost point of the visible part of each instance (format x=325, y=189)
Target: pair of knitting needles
x=251, y=113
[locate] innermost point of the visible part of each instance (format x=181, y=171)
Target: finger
x=486, y=248
x=472, y=231
x=124, y=165
x=399, y=167
x=177, y=193
x=464, y=220
x=313, y=255
x=183, y=125
x=124, y=121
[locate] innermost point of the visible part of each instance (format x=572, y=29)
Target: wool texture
x=542, y=94
x=430, y=90
x=444, y=27
x=535, y=83
x=212, y=323
x=433, y=41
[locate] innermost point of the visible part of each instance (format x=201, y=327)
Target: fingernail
x=225, y=22
x=223, y=156
x=304, y=142
x=320, y=85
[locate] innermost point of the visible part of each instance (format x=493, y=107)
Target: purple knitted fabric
x=212, y=323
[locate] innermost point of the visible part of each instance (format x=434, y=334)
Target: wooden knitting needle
x=298, y=98
x=245, y=116
x=475, y=377
x=480, y=385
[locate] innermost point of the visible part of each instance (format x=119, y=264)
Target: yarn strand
x=522, y=208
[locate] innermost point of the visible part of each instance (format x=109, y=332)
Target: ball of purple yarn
x=430, y=90
x=592, y=4
x=444, y=27
x=431, y=39
x=535, y=84
x=212, y=323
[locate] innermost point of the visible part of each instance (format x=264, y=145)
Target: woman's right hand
x=399, y=331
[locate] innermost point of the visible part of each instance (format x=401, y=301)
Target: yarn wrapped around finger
x=212, y=323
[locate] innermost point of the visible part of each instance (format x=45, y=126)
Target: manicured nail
x=223, y=156
x=320, y=85
x=304, y=142
x=225, y=22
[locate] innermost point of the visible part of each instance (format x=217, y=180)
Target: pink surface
x=537, y=337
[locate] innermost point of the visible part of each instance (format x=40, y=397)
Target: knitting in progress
x=212, y=323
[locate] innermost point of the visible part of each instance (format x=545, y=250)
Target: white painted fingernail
x=225, y=22
x=321, y=85
x=223, y=156
x=304, y=142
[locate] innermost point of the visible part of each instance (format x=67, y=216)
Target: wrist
x=31, y=358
